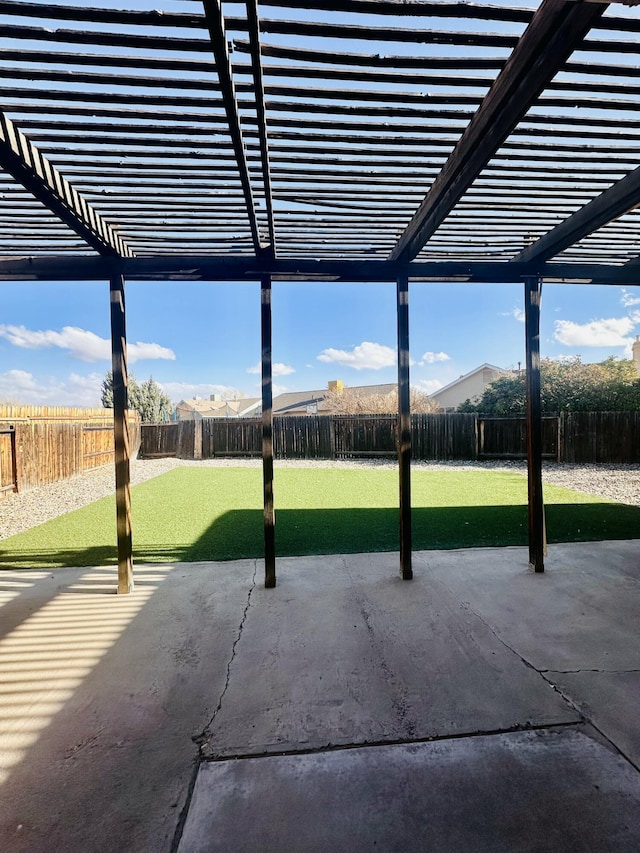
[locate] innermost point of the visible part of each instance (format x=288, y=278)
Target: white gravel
x=19, y=512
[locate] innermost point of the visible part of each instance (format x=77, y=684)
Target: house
x=315, y=402
x=216, y=407
x=467, y=387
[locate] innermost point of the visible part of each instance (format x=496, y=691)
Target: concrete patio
x=478, y=706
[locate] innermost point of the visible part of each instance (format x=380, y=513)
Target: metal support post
x=404, y=427
x=533, y=291
x=121, y=434
x=267, y=434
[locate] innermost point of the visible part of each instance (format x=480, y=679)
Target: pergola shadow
x=237, y=534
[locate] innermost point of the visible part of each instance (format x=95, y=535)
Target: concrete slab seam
x=184, y=812
x=202, y=739
x=338, y=747
x=579, y=671
x=589, y=720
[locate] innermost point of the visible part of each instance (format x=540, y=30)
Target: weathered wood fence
x=578, y=437
x=43, y=444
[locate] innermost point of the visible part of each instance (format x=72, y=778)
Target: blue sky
x=198, y=338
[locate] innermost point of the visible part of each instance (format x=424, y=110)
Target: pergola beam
x=258, y=86
x=620, y=198
x=236, y=268
x=217, y=32
x=21, y=159
x=556, y=29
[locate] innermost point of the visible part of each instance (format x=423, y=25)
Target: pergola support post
x=121, y=434
x=267, y=434
x=533, y=291
x=404, y=426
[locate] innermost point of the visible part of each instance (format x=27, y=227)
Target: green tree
x=153, y=404
x=565, y=385
x=146, y=398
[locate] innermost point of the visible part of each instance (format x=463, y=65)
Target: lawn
x=192, y=514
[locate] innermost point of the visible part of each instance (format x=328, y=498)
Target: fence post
x=197, y=439
x=121, y=433
x=332, y=437
x=533, y=290
x=14, y=460
x=561, y=454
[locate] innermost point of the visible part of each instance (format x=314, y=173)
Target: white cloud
x=365, y=356
x=432, y=357
x=610, y=332
x=80, y=343
x=628, y=298
x=188, y=390
x=429, y=386
x=140, y=351
x=518, y=313
x=21, y=387
x=277, y=369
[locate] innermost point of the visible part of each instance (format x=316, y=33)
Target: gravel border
x=19, y=512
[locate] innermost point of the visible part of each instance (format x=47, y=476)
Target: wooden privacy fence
x=506, y=438
x=579, y=437
x=600, y=436
x=43, y=444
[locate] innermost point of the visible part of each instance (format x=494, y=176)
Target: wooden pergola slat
x=259, y=90
x=217, y=30
x=20, y=158
x=612, y=203
x=555, y=30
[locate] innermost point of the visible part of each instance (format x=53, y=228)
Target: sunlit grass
x=193, y=514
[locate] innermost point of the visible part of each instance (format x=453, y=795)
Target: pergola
x=363, y=140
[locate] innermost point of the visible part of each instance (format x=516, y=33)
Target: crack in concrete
x=526, y=662
x=577, y=671
x=543, y=674
x=202, y=739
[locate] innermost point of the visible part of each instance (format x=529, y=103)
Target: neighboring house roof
x=461, y=379
x=296, y=402
x=202, y=406
x=248, y=405
x=220, y=408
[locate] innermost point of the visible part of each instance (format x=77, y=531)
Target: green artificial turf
x=193, y=514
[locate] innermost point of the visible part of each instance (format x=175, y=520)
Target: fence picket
x=51, y=443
